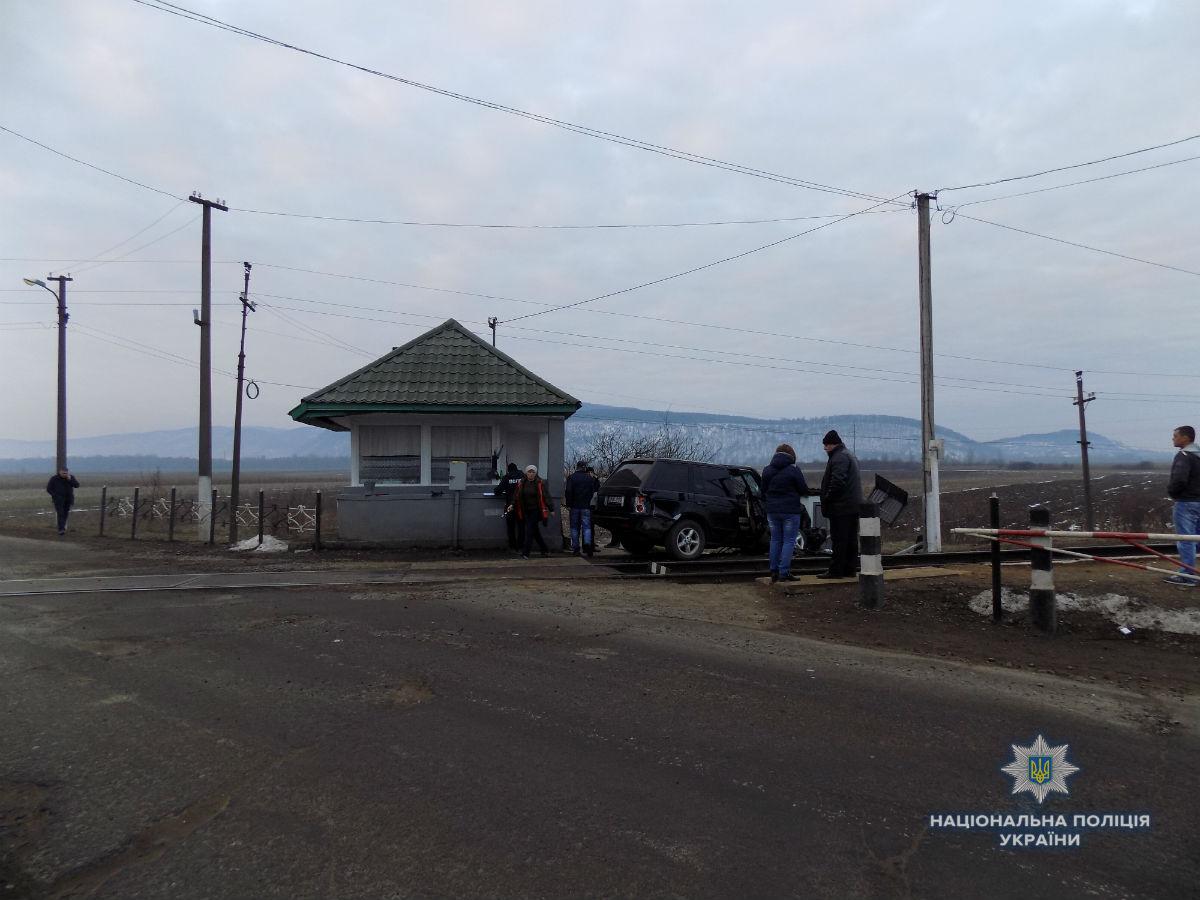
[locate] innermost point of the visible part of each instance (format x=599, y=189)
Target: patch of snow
x=1116, y=608
x=270, y=544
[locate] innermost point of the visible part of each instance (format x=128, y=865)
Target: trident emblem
x=1040, y=769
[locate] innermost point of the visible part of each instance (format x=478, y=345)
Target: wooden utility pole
x=1081, y=401
x=930, y=450
x=492, y=323
x=248, y=306
x=204, y=451
x=60, y=449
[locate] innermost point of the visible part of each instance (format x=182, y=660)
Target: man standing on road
x=507, y=489
x=1184, y=489
x=61, y=488
x=577, y=494
x=531, y=504
x=841, y=497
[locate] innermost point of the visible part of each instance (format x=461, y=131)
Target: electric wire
x=89, y=165
x=1056, y=187
x=128, y=253
x=120, y=244
x=1092, y=162
x=694, y=269
x=612, y=137
x=1058, y=240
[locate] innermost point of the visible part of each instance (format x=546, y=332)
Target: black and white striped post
x=1042, y=603
x=870, y=563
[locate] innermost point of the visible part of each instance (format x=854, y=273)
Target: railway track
x=747, y=568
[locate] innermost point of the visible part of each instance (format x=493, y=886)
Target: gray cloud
x=875, y=96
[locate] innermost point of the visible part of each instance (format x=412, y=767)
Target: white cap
x=531, y=468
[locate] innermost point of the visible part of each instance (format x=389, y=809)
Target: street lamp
x=61, y=297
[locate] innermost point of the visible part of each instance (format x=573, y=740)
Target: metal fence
x=295, y=516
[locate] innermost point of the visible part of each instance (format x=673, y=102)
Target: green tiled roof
x=445, y=370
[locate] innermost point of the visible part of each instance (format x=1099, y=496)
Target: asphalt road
x=486, y=739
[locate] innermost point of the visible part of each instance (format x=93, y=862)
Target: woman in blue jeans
x=784, y=490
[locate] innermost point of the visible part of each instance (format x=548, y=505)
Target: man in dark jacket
x=1184, y=489
x=506, y=489
x=784, y=490
x=61, y=488
x=841, y=497
x=531, y=504
x=577, y=495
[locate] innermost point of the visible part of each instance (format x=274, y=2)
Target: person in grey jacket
x=841, y=497
x=1184, y=489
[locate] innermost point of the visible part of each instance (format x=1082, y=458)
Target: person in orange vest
x=531, y=503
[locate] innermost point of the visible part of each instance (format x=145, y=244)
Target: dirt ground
x=933, y=617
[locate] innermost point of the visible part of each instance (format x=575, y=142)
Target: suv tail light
x=639, y=503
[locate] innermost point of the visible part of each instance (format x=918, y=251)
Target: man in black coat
x=61, y=488
x=577, y=496
x=506, y=489
x=841, y=497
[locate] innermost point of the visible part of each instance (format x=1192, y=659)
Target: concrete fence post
x=870, y=564
x=1042, y=602
x=317, y=524
x=212, y=518
x=134, y=517
x=103, y=507
x=171, y=520
x=262, y=517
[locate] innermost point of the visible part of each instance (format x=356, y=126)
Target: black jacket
x=508, y=486
x=1185, y=475
x=579, y=490
x=841, y=488
x=62, y=490
x=784, y=486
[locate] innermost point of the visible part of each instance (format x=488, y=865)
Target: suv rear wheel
x=686, y=540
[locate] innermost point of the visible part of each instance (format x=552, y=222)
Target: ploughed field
x=1123, y=500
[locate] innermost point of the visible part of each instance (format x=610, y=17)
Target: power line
x=89, y=165
x=612, y=137
x=1058, y=240
x=128, y=253
x=136, y=234
x=1093, y=162
x=694, y=269
x=954, y=209
x=552, y=227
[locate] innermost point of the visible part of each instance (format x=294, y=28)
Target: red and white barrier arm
x=990, y=534
x=1097, y=535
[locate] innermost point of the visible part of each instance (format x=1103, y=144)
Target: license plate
x=614, y=501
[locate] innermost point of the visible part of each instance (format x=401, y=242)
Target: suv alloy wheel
x=686, y=540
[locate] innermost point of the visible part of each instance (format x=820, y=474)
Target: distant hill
x=737, y=439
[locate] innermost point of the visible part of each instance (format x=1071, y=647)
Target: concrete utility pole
x=204, y=452
x=930, y=447
x=248, y=306
x=60, y=449
x=1081, y=401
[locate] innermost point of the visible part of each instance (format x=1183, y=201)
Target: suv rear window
x=711, y=480
x=670, y=476
x=629, y=475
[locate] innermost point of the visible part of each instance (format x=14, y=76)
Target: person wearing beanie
x=531, y=503
x=784, y=490
x=841, y=497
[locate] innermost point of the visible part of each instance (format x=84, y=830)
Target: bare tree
x=607, y=447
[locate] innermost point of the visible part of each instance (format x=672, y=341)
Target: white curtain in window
x=389, y=440
x=461, y=441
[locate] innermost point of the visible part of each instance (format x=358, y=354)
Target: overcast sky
x=877, y=97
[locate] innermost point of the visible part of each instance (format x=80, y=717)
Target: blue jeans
x=784, y=528
x=1187, y=521
x=581, y=520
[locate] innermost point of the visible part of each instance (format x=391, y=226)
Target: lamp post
x=61, y=296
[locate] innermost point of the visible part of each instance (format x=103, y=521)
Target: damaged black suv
x=685, y=507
